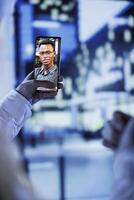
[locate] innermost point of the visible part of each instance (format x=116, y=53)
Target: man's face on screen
x=47, y=55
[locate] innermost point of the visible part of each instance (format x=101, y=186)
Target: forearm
x=14, y=111
x=124, y=175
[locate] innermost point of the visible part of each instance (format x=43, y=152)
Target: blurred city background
x=61, y=142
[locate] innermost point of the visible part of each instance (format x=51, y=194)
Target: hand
x=28, y=88
x=113, y=130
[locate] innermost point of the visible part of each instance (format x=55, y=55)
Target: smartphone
x=47, y=60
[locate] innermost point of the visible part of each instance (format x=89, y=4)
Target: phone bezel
x=58, y=56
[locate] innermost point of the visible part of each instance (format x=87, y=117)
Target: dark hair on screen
x=47, y=41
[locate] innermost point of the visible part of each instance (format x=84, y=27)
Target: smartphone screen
x=47, y=61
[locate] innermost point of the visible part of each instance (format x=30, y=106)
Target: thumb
x=36, y=83
x=47, y=84
x=127, y=140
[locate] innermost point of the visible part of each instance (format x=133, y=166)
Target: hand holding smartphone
x=47, y=61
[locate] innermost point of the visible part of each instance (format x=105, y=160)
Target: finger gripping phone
x=47, y=61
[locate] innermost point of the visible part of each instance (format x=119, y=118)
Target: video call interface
x=47, y=60
x=97, y=60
